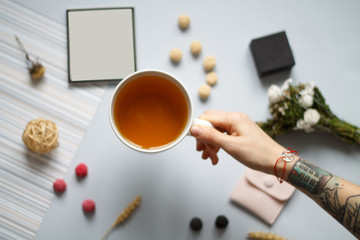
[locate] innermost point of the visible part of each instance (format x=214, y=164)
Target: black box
x=272, y=53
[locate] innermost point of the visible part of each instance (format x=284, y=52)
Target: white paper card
x=101, y=44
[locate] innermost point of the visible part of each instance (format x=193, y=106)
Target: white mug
x=189, y=122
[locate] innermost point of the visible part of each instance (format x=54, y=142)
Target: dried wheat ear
x=264, y=236
x=124, y=215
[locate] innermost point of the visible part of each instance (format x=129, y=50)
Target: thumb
x=209, y=135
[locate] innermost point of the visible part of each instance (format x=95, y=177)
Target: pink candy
x=59, y=185
x=81, y=170
x=88, y=205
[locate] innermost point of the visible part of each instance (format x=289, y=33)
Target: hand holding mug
x=244, y=140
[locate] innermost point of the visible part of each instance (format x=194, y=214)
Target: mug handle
x=202, y=122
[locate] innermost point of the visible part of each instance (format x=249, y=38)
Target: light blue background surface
x=177, y=185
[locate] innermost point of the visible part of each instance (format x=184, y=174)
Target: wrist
x=273, y=155
x=284, y=164
x=290, y=167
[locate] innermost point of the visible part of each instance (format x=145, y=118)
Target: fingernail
x=195, y=131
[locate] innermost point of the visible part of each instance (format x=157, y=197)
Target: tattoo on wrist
x=325, y=187
x=309, y=177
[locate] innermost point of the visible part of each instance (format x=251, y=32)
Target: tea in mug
x=150, y=111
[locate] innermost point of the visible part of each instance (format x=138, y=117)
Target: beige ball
x=209, y=63
x=211, y=78
x=204, y=91
x=196, y=48
x=41, y=135
x=175, y=55
x=183, y=21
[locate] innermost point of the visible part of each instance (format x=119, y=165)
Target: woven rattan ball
x=41, y=135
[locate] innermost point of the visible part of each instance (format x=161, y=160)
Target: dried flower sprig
x=303, y=107
x=36, y=69
x=124, y=215
x=264, y=236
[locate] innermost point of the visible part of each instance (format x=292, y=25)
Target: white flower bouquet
x=303, y=107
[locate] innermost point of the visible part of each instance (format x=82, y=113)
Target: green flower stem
x=344, y=130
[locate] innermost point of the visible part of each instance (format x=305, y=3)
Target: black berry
x=196, y=224
x=221, y=221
